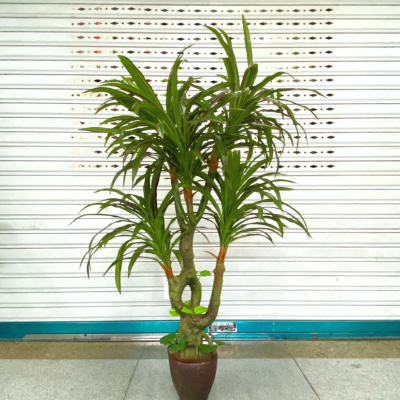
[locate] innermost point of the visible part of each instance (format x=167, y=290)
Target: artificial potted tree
x=215, y=147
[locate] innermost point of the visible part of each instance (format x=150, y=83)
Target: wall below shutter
x=348, y=183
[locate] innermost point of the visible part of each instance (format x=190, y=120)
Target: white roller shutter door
x=347, y=176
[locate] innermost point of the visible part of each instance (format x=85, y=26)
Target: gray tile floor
x=269, y=379
x=316, y=372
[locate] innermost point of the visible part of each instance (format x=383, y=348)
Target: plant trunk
x=194, y=335
x=189, y=325
x=192, y=325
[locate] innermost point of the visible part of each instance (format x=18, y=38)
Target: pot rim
x=214, y=355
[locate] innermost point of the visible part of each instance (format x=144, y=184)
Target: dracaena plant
x=215, y=147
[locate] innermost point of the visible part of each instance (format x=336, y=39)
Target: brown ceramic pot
x=193, y=381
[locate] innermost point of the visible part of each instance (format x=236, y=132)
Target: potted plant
x=217, y=148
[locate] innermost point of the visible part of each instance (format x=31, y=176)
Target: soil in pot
x=193, y=381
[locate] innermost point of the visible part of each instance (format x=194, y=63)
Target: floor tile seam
x=305, y=377
x=130, y=380
x=286, y=347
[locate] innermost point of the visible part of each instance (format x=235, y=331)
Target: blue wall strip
x=247, y=330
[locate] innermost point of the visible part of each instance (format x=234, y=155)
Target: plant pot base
x=193, y=381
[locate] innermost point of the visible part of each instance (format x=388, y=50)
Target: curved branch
x=176, y=286
x=209, y=340
x=168, y=271
x=215, y=300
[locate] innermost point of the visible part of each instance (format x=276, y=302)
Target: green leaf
x=186, y=310
x=182, y=339
x=168, y=339
x=179, y=257
x=205, y=273
x=249, y=78
x=187, y=302
x=134, y=258
x=247, y=41
x=267, y=80
x=178, y=202
x=260, y=212
x=140, y=80
x=205, y=348
x=118, y=266
x=173, y=312
x=161, y=128
x=176, y=347
x=200, y=310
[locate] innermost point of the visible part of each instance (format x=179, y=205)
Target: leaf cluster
x=144, y=231
x=246, y=202
x=175, y=342
x=187, y=310
x=235, y=121
x=178, y=343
